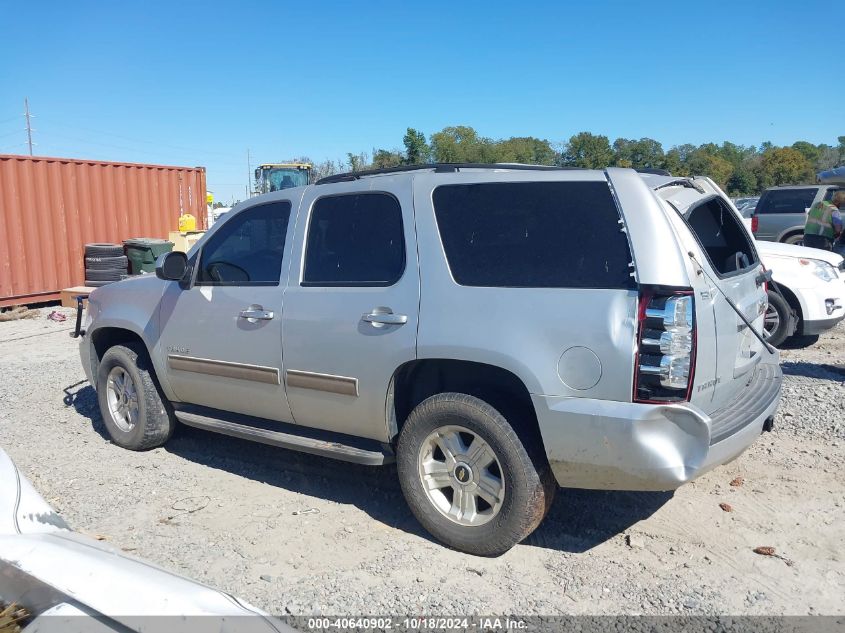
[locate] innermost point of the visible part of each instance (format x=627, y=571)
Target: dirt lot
x=227, y=512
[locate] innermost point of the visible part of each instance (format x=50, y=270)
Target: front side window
x=355, y=240
x=533, y=235
x=248, y=249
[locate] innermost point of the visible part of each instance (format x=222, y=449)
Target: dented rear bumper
x=607, y=445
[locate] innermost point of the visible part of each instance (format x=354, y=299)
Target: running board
x=313, y=445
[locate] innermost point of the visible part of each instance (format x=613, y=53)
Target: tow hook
x=769, y=424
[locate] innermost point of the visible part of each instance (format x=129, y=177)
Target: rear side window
x=247, y=250
x=786, y=201
x=355, y=240
x=722, y=237
x=533, y=235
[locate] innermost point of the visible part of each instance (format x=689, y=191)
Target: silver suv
x=781, y=213
x=498, y=331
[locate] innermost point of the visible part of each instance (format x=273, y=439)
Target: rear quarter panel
x=523, y=330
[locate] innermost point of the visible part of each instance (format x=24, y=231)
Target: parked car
x=781, y=213
x=65, y=581
x=808, y=297
x=497, y=330
x=748, y=206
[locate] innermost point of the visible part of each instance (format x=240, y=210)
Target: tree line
x=738, y=169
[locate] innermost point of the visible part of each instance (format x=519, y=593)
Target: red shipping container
x=51, y=207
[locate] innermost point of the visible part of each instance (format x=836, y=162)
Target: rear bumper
x=608, y=445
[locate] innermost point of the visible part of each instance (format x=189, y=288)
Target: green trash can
x=142, y=253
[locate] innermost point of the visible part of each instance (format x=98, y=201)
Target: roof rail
x=653, y=171
x=438, y=168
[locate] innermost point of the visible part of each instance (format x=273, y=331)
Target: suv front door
x=351, y=304
x=222, y=337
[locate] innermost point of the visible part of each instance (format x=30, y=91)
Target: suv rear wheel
x=467, y=476
x=134, y=411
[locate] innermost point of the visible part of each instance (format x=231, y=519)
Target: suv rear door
x=351, y=303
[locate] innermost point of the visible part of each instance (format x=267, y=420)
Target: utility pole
x=28, y=124
x=248, y=175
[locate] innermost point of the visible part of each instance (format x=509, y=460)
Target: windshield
x=285, y=178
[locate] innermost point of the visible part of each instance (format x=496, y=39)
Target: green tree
x=383, y=158
x=643, y=153
x=785, y=166
x=454, y=144
x=810, y=151
x=717, y=168
x=357, y=162
x=524, y=149
x=587, y=150
x=743, y=181
x=676, y=160
x=417, y=151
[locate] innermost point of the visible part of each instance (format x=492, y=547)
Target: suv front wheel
x=468, y=478
x=135, y=413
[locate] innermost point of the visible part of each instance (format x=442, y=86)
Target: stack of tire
x=104, y=264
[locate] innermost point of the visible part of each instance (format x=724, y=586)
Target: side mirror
x=172, y=266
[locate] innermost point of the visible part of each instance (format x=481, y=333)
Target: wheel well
x=104, y=338
x=417, y=380
x=789, y=234
x=791, y=299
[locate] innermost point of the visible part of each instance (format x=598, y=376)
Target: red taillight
x=664, y=364
x=755, y=223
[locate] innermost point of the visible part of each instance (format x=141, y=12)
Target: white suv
x=812, y=284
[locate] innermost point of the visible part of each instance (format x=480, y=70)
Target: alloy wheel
x=461, y=475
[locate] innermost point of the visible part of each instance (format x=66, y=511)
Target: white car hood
x=778, y=249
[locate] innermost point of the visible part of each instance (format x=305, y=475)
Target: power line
x=138, y=140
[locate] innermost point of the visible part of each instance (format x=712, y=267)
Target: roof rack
x=653, y=171
x=438, y=168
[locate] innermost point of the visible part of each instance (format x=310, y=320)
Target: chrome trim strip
x=344, y=385
x=225, y=369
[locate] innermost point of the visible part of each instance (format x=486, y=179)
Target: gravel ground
x=229, y=512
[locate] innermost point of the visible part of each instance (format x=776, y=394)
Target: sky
x=189, y=83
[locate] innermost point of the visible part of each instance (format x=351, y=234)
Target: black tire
x=155, y=422
x=103, y=250
x=103, y=275
x=91, y=283
x=527, y=489
x=796, y=239
x=786, y=320
x=107, y=263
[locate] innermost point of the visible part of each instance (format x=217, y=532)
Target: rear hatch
x=727, y=265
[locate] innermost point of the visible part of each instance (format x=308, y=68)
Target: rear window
x=786, y=201
x=722, y=237
x=533, y=235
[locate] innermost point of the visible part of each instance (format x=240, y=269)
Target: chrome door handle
x=385, y=318
x=255, y=313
